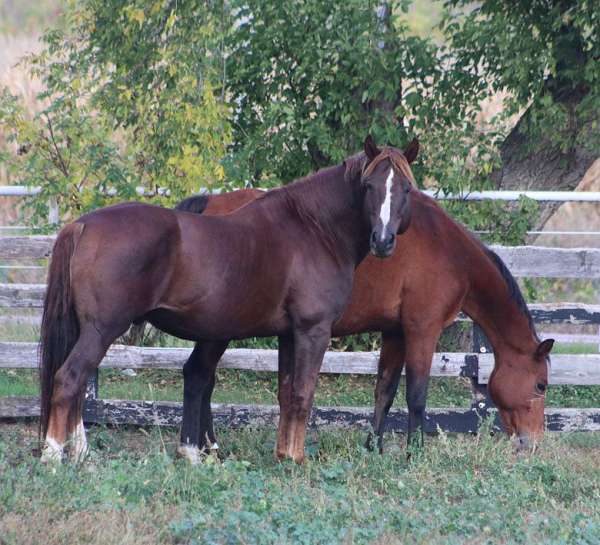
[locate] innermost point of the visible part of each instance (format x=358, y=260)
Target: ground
x=460, y=489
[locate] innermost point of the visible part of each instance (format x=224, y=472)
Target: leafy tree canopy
x=544, y=53
x=132, y=99
x=188, y=94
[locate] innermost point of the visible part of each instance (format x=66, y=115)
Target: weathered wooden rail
x=530, y=261
x=570, y=369
x=475, y=366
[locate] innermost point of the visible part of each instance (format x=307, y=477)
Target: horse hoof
x=52, y=453
x=51, y=457
x=287, y=456
x=191, y=453
x=298, y=458
x=369, y=442
x=280, y=456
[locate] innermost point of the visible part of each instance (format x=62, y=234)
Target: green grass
x=250, y=387
x=458, y=490
x=575, y=348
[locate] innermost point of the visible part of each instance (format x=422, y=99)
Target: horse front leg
x=309, y=348
x=198, y=383
x=285, y=375
x=391, y=363
x=420, y=347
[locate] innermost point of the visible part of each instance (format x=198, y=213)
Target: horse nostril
x=390, y=240
x=373, y=237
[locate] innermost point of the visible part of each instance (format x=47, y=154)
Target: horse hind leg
x=65, y=424
x=78, y=440
x=197, y=434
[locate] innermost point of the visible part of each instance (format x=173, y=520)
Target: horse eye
x=540, y=387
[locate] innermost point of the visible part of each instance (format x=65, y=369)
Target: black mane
x=195, y=204
x=514, y=290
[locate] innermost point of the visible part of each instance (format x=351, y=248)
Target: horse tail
x=195, y=204
x=60, y=325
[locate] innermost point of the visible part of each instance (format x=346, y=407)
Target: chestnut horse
x=282, y=265
x=438, y=269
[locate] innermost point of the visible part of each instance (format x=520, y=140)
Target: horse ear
x=543, y=349
x=371, y=150
x=411, y=151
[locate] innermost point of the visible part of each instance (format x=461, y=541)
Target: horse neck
x=327, y=204
x=498, y=313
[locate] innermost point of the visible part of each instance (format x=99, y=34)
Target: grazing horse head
x=518, y=387
x=519, y=380
x=387, y=180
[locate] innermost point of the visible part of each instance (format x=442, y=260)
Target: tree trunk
x=543, y=164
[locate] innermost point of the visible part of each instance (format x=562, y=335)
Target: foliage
x=310, y=80
x=182, y=95
x=460, y=489
x=543, y=53
x=133, y=98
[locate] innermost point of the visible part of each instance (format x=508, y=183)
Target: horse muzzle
x=526, y=442
x=382, y=248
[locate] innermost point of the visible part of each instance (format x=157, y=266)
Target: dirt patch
x=110, y=527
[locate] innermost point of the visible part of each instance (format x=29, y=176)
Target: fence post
x=91, y=396
x=53, y=213
x=481, y=400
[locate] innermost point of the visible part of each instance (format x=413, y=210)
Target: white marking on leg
x=52, y=452
x=79, y=445
x=214, y=446
x=191, y=453
x=386, y=205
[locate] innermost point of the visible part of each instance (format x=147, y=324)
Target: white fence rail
x=542, y=196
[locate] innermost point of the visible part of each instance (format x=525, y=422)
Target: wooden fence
x=475, y=366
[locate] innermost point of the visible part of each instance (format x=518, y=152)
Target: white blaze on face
x=386, y=205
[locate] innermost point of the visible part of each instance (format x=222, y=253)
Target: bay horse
x=281, y=265
x=439, y=268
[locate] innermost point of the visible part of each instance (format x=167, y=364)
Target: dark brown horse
x=282, y=265
x=438, y=269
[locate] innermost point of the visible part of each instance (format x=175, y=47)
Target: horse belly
x=222, y=317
